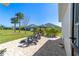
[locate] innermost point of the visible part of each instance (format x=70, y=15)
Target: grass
x=9, y=35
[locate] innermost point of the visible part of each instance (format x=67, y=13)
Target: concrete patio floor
x=51, y=48
x=14, y=50
x=45, y=47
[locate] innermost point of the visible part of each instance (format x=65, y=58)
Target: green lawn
x=9, y=35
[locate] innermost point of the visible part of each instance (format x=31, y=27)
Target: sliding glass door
x=76, y=24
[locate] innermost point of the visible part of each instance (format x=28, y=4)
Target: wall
x=66, y=29
x=61, y=10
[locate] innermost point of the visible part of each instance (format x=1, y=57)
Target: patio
x=51, y=48
x=45, y=47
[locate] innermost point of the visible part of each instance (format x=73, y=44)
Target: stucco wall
x=66, y=29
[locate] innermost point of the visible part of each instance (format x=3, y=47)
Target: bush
x=48, y=32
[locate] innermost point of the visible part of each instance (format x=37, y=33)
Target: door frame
x=73, y=38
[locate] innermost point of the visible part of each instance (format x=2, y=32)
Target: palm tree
x=14, y=21
x=19, y=16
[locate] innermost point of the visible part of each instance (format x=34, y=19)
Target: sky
x=37, y=13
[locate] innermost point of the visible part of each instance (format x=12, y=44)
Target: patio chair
x=27, y=42
x=37, y=36
x=22, y=41
x=31, y=40
x=2, y=51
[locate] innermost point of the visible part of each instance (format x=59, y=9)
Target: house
x=69, y=17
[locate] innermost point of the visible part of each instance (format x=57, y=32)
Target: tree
x=14, y=21
x=2, y=27
x=19, y=16
x=26, y=21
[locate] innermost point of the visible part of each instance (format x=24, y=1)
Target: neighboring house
x=69, y=17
